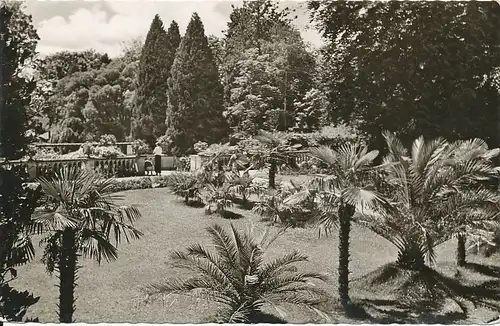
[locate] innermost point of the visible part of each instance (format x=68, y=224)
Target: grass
x=109, y=293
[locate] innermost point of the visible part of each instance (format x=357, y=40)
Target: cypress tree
x=153, y=73
x=195, y=93
x=173, y=41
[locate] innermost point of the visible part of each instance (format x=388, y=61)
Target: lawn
x=109, y=293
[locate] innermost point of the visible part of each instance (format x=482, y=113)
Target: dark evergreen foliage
x=153, y=73
x=17, y=48
x=415, y=68
x=195, y=93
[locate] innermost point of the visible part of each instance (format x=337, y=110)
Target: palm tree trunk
x=345, y=214
x=67, y=276
x=461, y=250
x=272, y=174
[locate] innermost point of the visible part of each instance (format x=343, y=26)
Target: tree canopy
x=414, y=68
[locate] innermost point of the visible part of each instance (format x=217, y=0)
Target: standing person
x=157, y=153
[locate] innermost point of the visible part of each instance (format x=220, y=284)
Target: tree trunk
x=272, y=174
x=345, y=214
x=67, y=276
x=186, y=199
x=461, y=250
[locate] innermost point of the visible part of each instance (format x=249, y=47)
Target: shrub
x=88, y=149
x=139, y=147
x=274, y=205
x=200, y=146
x=184, y=164
x=108, y=151
x=132, y=184
x=218, y=197
x=107, y=140
x=185, y=185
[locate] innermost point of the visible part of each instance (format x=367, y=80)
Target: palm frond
x=95, y=245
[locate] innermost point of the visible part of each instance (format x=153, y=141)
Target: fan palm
x=236, y=276
x=434, y=193
x=243, y=185
x=348, y=187
x=275, y=151
x=478, y=201
x=275, y=205
x=81, y=220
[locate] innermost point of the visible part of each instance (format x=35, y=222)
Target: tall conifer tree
x=154, y=70
x=195, y=93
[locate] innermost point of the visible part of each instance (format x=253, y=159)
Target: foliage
x=236, y=276
x=267, y=67
x=17, y=203
x=185, y=185
x=107, y=140
x=87, y=105
x=200, y=146
x=139, y=147
x=88, y=148
x=391, y=66
x=275, y=205
x=194, y=93
x=18, y=49
x=184, y=164
x=243, y=186
x=156, y=60
x=219, y=196
x=434, y=192
x=80, y=219
x=123, y=184
x=108, y=151
x=346, y=188
x=273, y=151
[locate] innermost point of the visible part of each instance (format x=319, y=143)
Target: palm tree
x=236, y=276
x=348, y=187
x=82, y=220
x=434, y=193
x=275, y=151
x=463, y=154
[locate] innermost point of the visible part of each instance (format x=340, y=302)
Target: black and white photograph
x=249, y=161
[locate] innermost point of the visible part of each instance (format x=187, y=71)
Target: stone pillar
x=140, y=161
x=31, y=170
x=89, y=164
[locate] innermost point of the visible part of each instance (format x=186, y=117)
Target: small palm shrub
x=244, y=186
x=218, y=197
x=274, y=205
x=235, y=275
x=185, y=185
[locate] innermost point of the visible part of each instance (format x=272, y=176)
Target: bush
x=273, y=206
x=139, y=147
x=88, y=149
x=218, y=197
x=107, y=140
x=132, y=184
x=108, y=151
x=200, y=146
x=185, y=185
x=185, y=164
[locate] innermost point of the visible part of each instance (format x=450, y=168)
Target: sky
x=76, y=25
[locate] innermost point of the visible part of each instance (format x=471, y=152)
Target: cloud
x=104, y=28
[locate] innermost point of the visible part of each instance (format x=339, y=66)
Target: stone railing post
x=140, y=161
x=31, y=167
x=89, y=164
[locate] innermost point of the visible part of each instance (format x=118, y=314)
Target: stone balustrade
x=110, y=167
